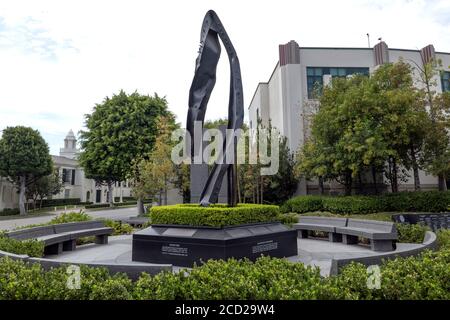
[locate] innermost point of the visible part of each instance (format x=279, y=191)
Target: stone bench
x=62, y=237
x=382, y=235
x=325, y=224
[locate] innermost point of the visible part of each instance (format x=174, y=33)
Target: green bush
x=32, y=248
x=267, y=278
x=411, y=233
x=425, y=201
x=127, y=203
x=443, y=237
x=97, y=205
x=287, y=218
x=215, y=215
x=119, y=228
x=60, y=202
x=9, y=212
x=303, y=204
x=351, y=205
x=423, y=277
x=71, y=217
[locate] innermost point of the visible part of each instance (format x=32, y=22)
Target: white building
x=286, y=98
x=76, y=185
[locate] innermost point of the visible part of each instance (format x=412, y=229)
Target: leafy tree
x=121, y=129
x=24, y=157
x=364, y=123
x=156, y=171
x=44, y=187
x=437, y=141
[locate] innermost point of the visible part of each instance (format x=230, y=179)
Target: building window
x=445, y=80
x=67, y=193
x=314, y=77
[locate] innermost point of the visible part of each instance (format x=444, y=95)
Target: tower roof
x=70, y=135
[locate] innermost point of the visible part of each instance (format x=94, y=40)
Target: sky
x=59, y=58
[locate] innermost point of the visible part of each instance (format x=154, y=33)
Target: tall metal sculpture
x=199, y=93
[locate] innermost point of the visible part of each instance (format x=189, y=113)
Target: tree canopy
x=120, y=130
x=24, y=157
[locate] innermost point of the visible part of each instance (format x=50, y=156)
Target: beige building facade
x=287, y=97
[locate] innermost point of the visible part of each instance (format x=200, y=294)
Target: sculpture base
x=185, y=245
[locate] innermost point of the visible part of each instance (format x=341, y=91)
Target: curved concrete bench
x=62, y=237
x=382, y=234
x=325, y=224
x=403, y=250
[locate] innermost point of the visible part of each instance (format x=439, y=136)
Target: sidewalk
x=107, y=213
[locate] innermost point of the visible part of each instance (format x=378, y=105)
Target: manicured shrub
x=32, y=248
x=127, y=203
x=214, y=216
x=424, y=277
x=60, y=202
x=426, y=201
x=287, y=218
x=97, y=205
x=303, y=204
x=351, y=205
x=71, y=217
x=9, y=212
x=267, y=278
x=443, y=237
x=119, y=228
x=411, y=233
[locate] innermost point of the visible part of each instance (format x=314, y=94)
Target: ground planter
x=185, y=245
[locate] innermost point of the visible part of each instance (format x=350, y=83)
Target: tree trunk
x=374, y=178
x=262, y=190
x=442, y=183
x=22, y=209
x=394, y=178
x=165, y=191
x=321, y=188
x=415, y=167
x=110, y=195
x=140, y=206
x=348, y=184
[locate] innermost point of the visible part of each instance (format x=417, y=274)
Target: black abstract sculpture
x=199, y=93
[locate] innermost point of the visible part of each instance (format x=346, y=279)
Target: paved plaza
x=311, y=252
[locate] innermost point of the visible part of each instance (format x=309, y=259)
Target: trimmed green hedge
x=60, y=202
x=423, y=277
x=32, y=248
x=426, y=201
x=218, y=215
x=9, y=212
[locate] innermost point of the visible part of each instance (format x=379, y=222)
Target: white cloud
x=59, y=58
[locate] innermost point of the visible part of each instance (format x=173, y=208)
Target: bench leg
x=334, y=237
x=103, y=239
x=382, y=245
x=348, y=239
x=56, y=248
x=302, y=234
x=69, y=245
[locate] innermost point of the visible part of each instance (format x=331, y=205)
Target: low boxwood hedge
x=426, y=201
x=60, y=202
x=423, y=277
x=218, y=215
x=9, y=212
x=32, y=248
